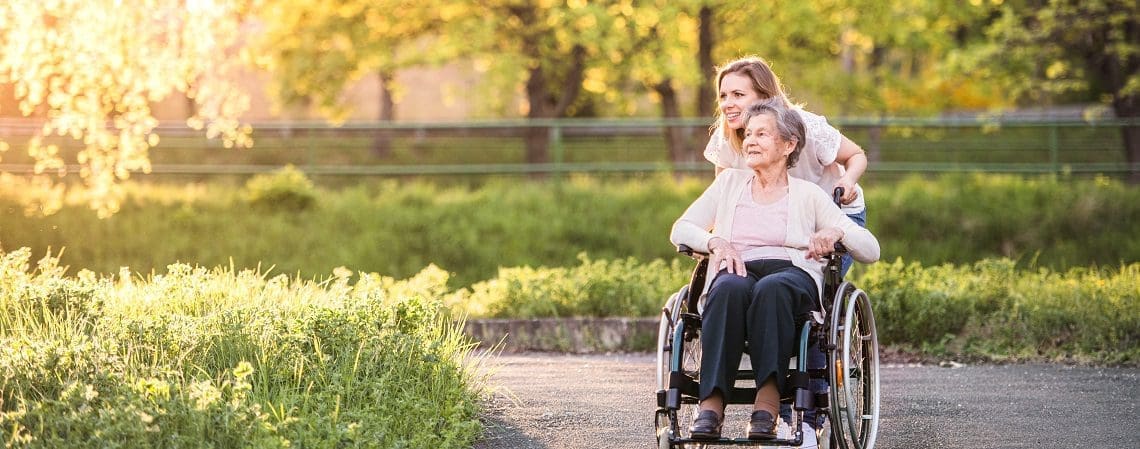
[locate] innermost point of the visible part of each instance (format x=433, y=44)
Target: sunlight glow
x=93, y=68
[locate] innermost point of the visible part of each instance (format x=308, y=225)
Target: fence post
x=1054, y=157
x=557, y=150
x=309, y=148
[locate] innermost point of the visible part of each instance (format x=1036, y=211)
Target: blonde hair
x=764, y=82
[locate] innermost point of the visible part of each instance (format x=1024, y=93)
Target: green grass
x=191, y=357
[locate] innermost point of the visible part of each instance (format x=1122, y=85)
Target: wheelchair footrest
x=742, y=442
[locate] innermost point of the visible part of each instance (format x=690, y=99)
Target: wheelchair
x=844, y=330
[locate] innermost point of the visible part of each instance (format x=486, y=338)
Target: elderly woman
x=829, y=158
x=770, y=233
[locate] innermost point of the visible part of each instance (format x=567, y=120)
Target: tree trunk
x=1128, y=107
x=387, y=105
x=541, y=106
x=382, y=139
x=1132, y=150
x=537, y=142
x=874, y=149
x=705, y=96
x=675, y=137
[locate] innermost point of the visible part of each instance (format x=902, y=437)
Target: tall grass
x=225, y=358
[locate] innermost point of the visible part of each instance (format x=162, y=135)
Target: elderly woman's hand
x=723, y=255
x=823, y=242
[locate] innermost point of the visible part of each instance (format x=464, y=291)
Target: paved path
x=606, y=401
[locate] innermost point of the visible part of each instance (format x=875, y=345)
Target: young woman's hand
x=849, y=192
x=854, y=162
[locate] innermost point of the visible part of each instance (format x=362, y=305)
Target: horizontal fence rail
x=893, y=145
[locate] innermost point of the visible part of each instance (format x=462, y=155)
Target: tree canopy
x=315, y=49
x=1050, y=51
x=92, y=69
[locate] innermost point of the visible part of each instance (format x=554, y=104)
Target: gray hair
x=789, y=124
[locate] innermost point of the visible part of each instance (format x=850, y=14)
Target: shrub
x=600, y=288
x=286, y=190
x=994, y=309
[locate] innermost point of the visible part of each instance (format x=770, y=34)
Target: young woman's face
x=763, y=146
x=736, y=93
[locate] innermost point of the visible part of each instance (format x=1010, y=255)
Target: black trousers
x=764, y=309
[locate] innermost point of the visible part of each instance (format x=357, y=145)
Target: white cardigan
x=809, y=210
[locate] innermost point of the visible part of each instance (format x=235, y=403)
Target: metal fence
x=893, y=145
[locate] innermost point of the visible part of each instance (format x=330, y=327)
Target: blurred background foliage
x=549, y=59
x=284, y=224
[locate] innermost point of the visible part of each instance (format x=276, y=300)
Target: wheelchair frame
x=847, y=336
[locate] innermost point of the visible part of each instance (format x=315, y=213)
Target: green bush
x=962, y=218
x=399, y=228
x=287, y=189
x=990, y=309
x=599, y=288
x=995, y=310
x=221, y=358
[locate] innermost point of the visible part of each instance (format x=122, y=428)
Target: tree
x=656, y=53
x=92, y=68
x=315, y=49
x=1040, y=50
x=555, y=54
x=856, y=56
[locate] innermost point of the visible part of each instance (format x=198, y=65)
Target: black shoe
x=706, y=426
x=762, y=426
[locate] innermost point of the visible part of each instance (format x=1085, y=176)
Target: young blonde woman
x=829, y=158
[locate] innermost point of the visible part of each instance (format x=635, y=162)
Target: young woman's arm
x=854, y=162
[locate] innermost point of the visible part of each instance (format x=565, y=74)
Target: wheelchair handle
x=837, y=196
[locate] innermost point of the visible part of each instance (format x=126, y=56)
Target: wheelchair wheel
x=665, y=421
x=669, y=315
x=853, y=371
x=675, y=423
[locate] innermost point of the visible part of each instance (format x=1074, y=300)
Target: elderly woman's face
x=736, y=93
x=763, y=146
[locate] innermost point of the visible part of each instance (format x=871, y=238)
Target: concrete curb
x=575, y=335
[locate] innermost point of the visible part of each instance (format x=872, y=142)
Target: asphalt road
x=607, y=401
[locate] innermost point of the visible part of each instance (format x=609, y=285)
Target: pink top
x=760, y=230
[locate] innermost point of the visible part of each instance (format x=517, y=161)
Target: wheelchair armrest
x=688, y=251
